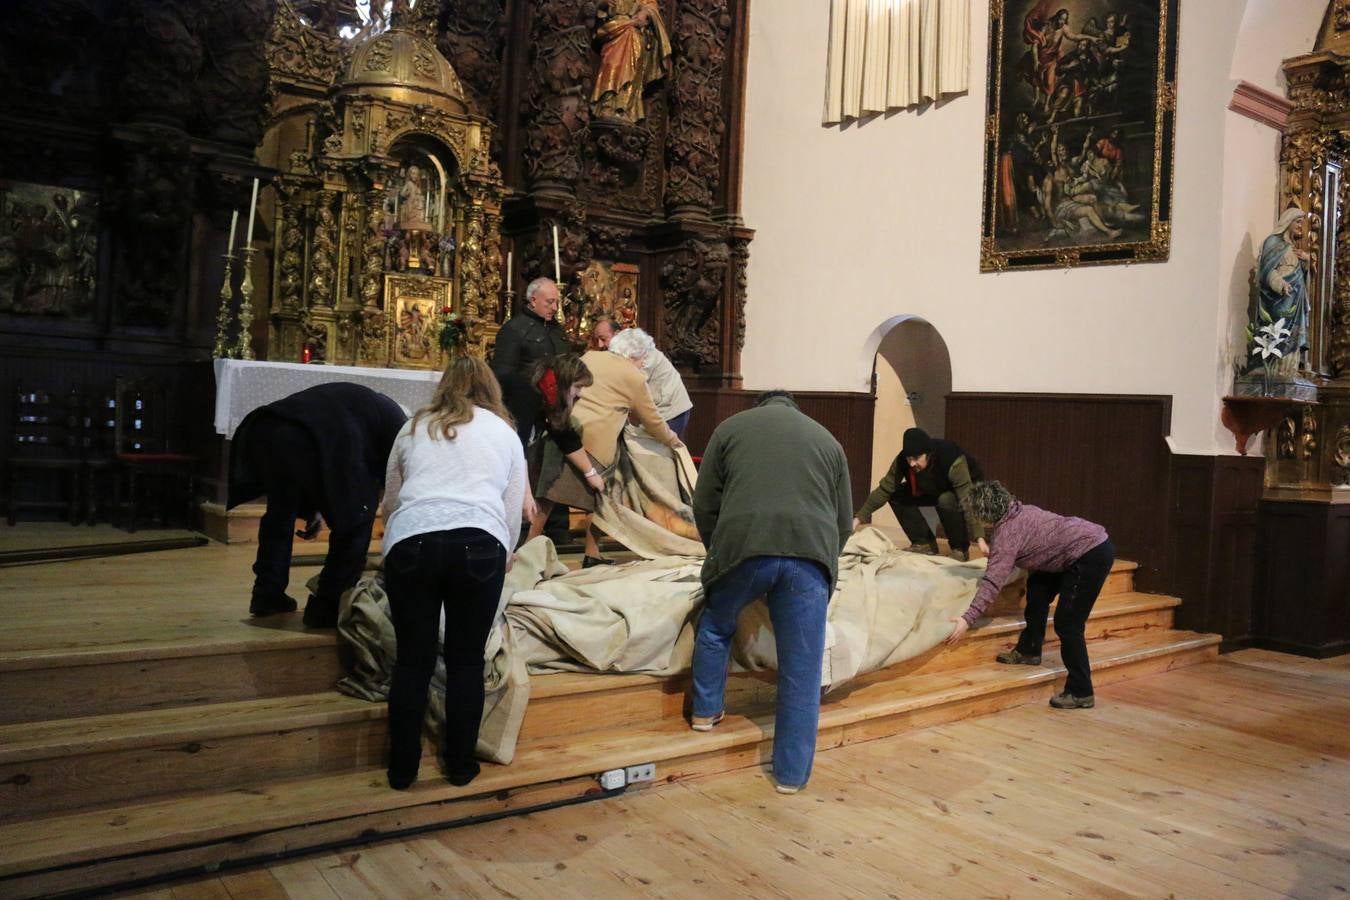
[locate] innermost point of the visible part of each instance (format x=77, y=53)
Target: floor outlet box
x=644, y=772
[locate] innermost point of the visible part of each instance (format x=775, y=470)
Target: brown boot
x=1015, y=657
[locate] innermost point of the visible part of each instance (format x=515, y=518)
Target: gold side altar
x=387, y=210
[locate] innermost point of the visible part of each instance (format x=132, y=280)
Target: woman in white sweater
x=454, y=491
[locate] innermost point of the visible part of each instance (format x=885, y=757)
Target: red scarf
x=548, y=386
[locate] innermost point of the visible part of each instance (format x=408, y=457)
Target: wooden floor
x=1227, y=779
x=51, y=535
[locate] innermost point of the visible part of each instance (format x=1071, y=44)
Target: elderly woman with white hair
x=666, y=386
x=618, y=393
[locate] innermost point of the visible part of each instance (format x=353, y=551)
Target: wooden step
x=144, y=839
x=216, y=660
x=239, y=525
x=84, y=762
x=268, y=658
x=571, y=703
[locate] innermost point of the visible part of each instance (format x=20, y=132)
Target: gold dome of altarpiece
x=399, y=65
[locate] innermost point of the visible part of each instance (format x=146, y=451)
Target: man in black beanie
x=928, y=472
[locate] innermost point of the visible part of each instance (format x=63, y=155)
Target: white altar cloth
x=244, y=385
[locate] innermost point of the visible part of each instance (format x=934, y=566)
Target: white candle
x=252, y=208
x=508, y=270
x=557, y=264
x=234, y=222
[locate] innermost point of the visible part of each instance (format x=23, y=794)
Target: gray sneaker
x=1066, y=700
x=960, y=555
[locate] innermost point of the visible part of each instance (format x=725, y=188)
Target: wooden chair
x=143, y=448
x=45, y=438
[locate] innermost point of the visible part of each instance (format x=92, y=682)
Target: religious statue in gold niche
x=634, y=52
x=412, y=209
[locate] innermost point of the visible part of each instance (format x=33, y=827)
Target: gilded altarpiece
x=1309, y=453
x=386, y=192
x=488, y=142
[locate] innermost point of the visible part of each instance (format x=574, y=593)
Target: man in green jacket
x=929, y=472
x=774, y=508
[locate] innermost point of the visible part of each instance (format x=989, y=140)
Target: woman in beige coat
x=617, y=396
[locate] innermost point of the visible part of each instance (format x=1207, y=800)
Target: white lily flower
x=1276, y=330
x=1267, y=346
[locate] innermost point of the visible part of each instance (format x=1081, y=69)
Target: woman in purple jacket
x=1063, y=556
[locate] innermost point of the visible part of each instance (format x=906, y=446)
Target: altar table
x=244, y=385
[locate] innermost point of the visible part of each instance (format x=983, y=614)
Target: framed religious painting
x=48, y=251
x=1079, y=128
x=414, y=307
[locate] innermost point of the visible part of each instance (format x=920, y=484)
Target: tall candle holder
x=510, y=304
x=223, y=348
x=244, y=349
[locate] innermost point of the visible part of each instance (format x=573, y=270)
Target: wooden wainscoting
x=1303, y=578
x=847, y=415
x=1213, y=552
x=1103, y=457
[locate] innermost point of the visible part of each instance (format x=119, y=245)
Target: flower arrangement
x=454, y=331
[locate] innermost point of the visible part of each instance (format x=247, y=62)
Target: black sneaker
x=1015, y=657
x=460, y=774
x=270, y=606
x=1066, y=700
x=321, y=613
x=589, y=561
x=401, y=781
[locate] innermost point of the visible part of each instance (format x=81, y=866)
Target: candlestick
x=557, y=265
x=252, y=208
x=222, y=348
x=234, y=222
x=244, y=349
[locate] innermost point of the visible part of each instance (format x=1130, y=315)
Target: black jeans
x=907, y=509
x=461, y=570
x=1077, y=586
x=287, y=460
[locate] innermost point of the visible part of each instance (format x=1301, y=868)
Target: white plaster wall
x=1271, y=32
x=860, y=224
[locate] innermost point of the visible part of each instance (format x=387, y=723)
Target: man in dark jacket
x=320, y=451
x=928, y=472
x=773, y=507
x=523, y=341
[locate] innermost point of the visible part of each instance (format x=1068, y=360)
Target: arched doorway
x=911, y=378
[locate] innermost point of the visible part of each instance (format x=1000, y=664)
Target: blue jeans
x=680, y=423
x=798, y=594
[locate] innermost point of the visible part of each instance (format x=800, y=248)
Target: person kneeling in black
x=928, y=472
x=321, y=451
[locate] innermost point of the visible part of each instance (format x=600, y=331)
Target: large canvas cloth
x=890, y=606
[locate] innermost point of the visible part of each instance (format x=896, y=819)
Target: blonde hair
x=467, y=382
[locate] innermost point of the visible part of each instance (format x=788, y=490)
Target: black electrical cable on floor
x=360, y=840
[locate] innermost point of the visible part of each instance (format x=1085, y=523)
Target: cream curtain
x=890, y=54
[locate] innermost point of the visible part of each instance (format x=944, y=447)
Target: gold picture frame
x=1079, y=133
x=414, y=306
